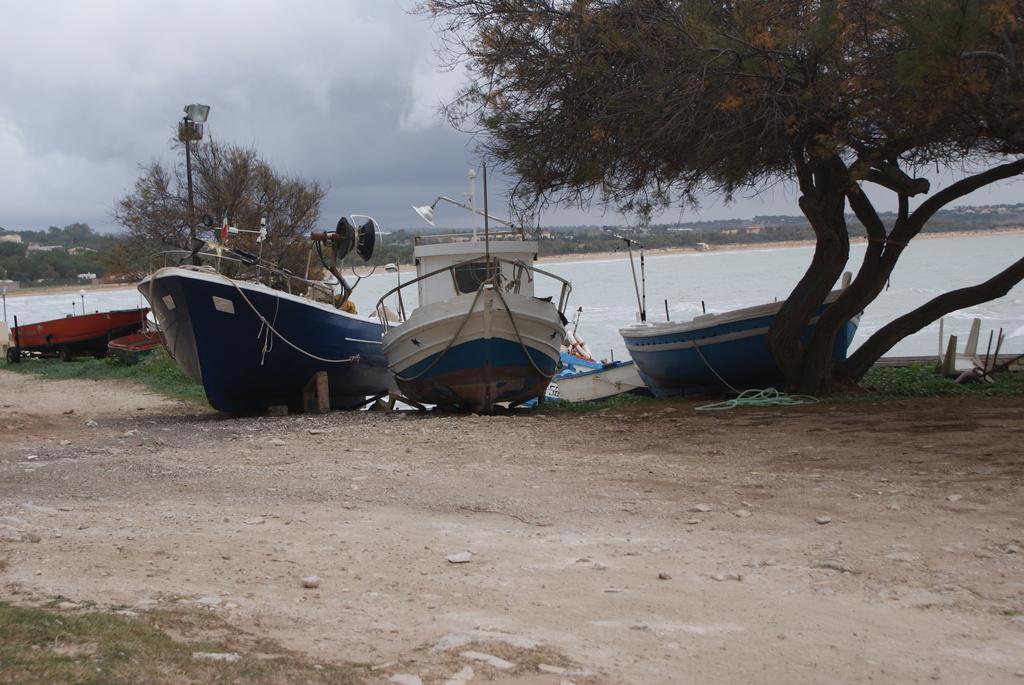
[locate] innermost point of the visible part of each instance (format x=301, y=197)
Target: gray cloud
x=344, y=92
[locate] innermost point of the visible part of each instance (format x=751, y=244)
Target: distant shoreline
x=734, y=247
x=577, y=257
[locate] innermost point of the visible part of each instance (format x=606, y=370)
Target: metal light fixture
x=426, y=212
x=197, y=113
x=81, y=293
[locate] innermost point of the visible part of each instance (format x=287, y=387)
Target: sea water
x=694, y=282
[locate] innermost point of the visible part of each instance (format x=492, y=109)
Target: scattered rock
x=954, y=498
x=67, y=606
x=65, y=442
x=316, y=431
x=12, y=521
x=30, y=537
x=128, y=434
x=311, y=582
x=32, y=456
x=459, y=558
x=693, y=522
x=664, y=576
x=741, y=513
x=822, y=520
x=462, y=677
x=208, y=601
x=556, y=670
x=91, y=424
x=488, y=659
x=894, y=507
x=254, y=521
x=728, y=575
x=405, y=679
x=225, y=657
x=1011, y=549
x=276, y=442
x=700, y=508
x=127, y=612
x=834, y=565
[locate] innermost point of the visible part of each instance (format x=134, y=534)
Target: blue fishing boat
x=712, y=352
x=253, y=346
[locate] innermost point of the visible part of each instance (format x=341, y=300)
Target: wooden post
x=971, y=350
x=949, y=361
x=316, y=396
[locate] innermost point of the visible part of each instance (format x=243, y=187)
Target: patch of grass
x=922, y=380
x=615, y=402
x=45, y=646
x=156, y=371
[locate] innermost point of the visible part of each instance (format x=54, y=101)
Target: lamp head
x=426, y=213
x=197, y=113
x=391, y=267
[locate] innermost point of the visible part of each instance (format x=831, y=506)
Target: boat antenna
x=576, y=323
x=641, y=299
x=487, y=235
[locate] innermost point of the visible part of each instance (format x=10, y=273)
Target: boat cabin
x=462, y=266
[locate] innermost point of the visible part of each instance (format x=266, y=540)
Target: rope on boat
x=451, y=342
x=768, y=397
x=348, y=360
x=519, y=337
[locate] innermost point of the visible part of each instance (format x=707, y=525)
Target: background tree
x=228, y=180
x=642, y=104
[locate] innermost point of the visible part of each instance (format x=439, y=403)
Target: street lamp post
x=81, y=293
x=3, y=293
x=191, y=128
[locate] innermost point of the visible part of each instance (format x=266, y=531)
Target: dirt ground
x=652, y=544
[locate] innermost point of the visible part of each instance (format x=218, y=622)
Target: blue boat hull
x=216, y=337
x=690, y=362
x=477, y=374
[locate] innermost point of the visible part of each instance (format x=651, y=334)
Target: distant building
x=10, y=238
x=80, y=250
x=87, y=277
x=33, y=247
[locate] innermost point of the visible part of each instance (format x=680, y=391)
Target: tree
x=642, y=104
x=228, y=180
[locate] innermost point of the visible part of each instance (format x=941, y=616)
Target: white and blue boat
x=716, y=352
x=253, y=346
x=479, y=337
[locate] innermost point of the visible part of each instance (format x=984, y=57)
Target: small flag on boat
x=224, y=230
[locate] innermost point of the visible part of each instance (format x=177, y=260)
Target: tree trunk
x=883, y=340
x=824, y=206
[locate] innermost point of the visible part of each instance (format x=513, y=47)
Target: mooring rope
x=753, y=397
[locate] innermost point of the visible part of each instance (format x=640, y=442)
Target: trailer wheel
x=12, y=355
x=65, y=353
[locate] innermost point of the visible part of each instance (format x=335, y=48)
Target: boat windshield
x=469, y=275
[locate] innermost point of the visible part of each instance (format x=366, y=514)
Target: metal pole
x=191, y=200
x=487, y=235
x=4, y=294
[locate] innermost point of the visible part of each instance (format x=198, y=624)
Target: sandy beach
x=647, y=545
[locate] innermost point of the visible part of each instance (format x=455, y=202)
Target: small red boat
x=127, y=349
x=78, y=335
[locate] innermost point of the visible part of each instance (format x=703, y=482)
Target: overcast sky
x=344, y=92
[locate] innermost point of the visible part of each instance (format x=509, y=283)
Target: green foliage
x=923, y=380
x=156, y=371
x=46, y=646
x=615, y=402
